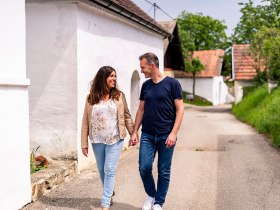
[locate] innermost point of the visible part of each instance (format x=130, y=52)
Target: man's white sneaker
x=157, y=207
x=149, y=202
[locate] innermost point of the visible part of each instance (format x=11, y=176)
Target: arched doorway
x=135, y=91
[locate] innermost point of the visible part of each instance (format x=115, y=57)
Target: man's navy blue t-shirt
x=159, y=108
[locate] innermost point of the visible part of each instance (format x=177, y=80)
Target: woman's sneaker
x=149, y=202
x=157, y=207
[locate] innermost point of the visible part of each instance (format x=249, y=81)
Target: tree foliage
x=194, y=66
x=254, y=17
x=265, y=50
x=227, y=63
x=200, y=32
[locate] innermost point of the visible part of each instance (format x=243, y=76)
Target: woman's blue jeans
x=107, y=157
x=149, y=145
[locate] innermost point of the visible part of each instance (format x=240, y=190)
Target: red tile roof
x=243, y=63
x=212, y=61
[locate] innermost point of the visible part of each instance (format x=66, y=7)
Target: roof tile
x=212, y=61
x=243, y=62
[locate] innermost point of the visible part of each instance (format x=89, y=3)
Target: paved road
x=219, y=163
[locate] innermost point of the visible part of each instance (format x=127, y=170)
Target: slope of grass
x=198, y=101
x=262, y=111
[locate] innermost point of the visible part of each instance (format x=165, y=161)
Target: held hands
x=85, y=151
x=134, y=139
x=171, y=140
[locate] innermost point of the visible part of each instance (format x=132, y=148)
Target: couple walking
x=106, y=118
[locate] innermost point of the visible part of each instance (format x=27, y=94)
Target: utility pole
x=155, y=5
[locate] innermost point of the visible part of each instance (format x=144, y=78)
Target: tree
x=194, y=67
x=198, y=32
x=254, y=17
x=265, y=51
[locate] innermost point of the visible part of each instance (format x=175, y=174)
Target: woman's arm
x=138, y=121
x=127, y=116
x=85, y=131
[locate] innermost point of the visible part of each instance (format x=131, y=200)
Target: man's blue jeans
x=107, y=157
x=149, y=145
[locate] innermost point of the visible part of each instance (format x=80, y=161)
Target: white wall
x=203, y=87
x=51, y=67
x=15, y=190
x=220, y=91
x=66, y=45
x=238, y=88
x=105, y=39
x=213, y=89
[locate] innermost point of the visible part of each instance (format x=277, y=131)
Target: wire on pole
x=157, y=7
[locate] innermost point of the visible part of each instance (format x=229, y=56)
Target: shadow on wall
x=134, y=93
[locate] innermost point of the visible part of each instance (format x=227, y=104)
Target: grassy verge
x=198, y=101
x=262, y=111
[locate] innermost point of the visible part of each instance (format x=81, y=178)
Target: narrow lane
x=219, y=164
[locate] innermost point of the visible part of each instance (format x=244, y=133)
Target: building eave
x=113, y=6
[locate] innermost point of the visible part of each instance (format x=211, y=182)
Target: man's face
x=146, y=69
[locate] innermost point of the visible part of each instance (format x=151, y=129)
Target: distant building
x=243, y=70
x=209, y=82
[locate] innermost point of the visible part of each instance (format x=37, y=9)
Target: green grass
x=230, y=83
x=248, y=89
x=34, y=169
x=198, y=101
x=262, y=111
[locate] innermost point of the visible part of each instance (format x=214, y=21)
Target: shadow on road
x=213, y=109
x=82, y=203
x=247, y=173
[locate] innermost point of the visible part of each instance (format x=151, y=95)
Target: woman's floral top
x=105, y=122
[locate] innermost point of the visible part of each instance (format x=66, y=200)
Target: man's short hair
x=151, y=58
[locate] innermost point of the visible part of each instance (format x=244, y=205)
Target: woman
x=104, y=121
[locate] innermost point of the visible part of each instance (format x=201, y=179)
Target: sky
x=226, y=10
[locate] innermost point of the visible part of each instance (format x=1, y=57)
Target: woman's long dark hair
x=99, y=86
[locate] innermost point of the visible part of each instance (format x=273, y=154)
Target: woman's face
x=111, y=80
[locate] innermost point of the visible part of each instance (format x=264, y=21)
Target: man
x=160, y=112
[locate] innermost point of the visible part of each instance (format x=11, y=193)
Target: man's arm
x=171, y=139
x=138, y=121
